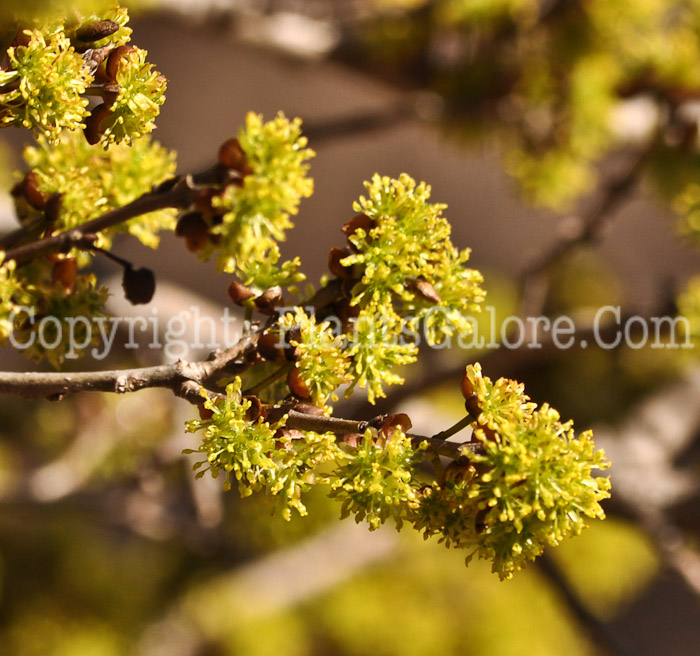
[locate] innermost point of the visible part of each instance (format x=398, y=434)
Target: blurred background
x=107, y=544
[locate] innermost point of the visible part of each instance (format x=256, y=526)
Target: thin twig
x=177, y=193
x=185, y=380
x=600, y=632
x=180, y=196
x=453, y=430
x=361, y=122
x=534, y=279
x=322, y=424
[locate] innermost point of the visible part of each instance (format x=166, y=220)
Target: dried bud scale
x=96, y=30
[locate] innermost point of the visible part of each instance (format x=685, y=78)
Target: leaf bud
x=480, y=520
x=293, y=334
x=347, y=287
x=252, y=359
x=203, y=203
x=139, y=285
x=484, y=434
x=297, y=385
x=336, y=268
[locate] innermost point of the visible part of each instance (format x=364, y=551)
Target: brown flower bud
x=255, y=411
x=357, y=222
x=486, y=434
x=346, y=288
x=293, y=334
x=480, y=520
x=110, y=93
x=194, y=230
x=336, y=268
x=346, y=312
x=391, y=422
x=17, y=189
x=297, y=385
x=285, y=436
x=100, y=73
x=470, y=396
x=351, y=439
x=30, y=189
x=203, y=203
x=268, y=300
x=239, y=293
x=52, y=209
x=458, y=472
x=96, y=31
x=95, y=123
x=115, y=57
x=21, y=39
x=204, y=413
x=64, y=272
x=139, y=285
x=269, y=347
x=232, y=156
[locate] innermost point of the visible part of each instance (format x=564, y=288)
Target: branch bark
x=321, y=424
x=177, y=193
x=183, y=378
